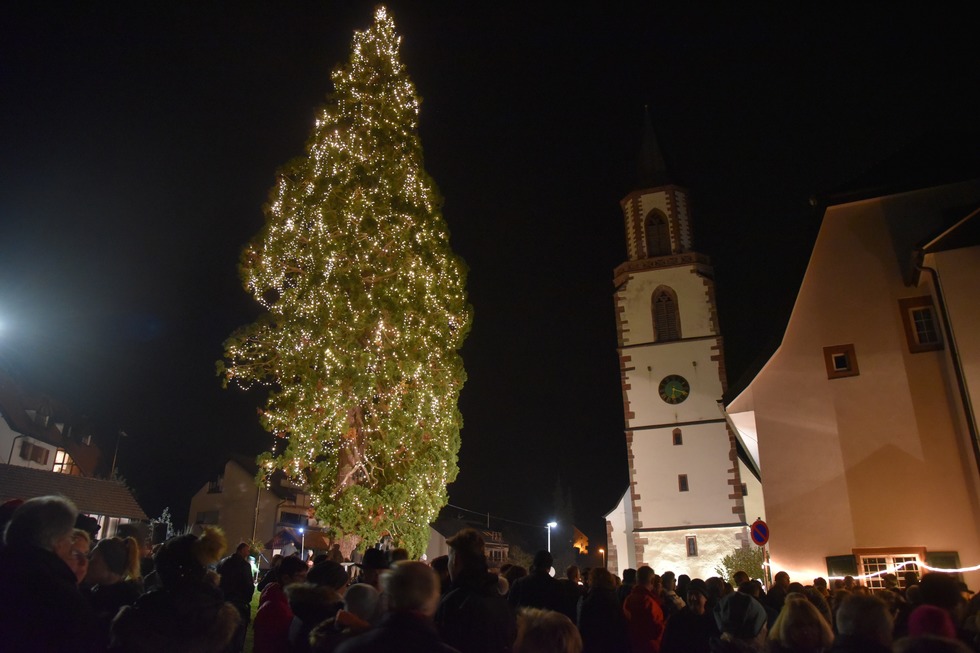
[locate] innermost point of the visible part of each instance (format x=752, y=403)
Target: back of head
x=398, y=554
x=543, y=561
x=865, y=617
x=931, y=620
x=290, y=566
x=121, y=556
x=327, y=574
x=411, y=585
x=644, y=575
x=801, y=627
x=185, y=558
x=941, y=590
x=629, y=576
x=601, y=579
x=362, y=601
x=740, y=616
x=546, y=631
x=468, y=547
x=41, y=522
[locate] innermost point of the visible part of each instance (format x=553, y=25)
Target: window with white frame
x=876, y=566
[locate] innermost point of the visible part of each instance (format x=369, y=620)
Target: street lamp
x=550, y=525
x=302, y=544
x=603, y=552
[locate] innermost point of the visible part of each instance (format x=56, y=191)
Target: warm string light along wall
x=366, y=309
x=889, y=570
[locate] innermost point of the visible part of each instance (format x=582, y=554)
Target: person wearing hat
x=742, y=622
x=693, y=627
x=371, y=565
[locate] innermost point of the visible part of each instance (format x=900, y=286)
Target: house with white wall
x=865, y=414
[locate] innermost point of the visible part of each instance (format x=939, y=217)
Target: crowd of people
x=67, y=591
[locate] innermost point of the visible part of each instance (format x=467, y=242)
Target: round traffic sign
x=760, y=532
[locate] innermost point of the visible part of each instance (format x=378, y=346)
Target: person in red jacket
x=644, y=616
x=271, y=627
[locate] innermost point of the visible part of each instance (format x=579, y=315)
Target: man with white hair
x=43, y=608
x=412, y=590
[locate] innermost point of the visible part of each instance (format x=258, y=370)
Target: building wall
x=667, y=550
x=870, y=460
x=236, y=506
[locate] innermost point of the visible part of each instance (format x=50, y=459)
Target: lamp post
x=302, y=544
x=603, y=552
x=549, y=526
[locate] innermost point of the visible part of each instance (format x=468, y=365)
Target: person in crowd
x=742, y=623
x=512, y=574
x=440, y=564
x=683, y=582
x=320, y=598
x=672, y=602
x=626, y=586
x=397, y=555
x=800, y=628
x=600, y=616
x=238, y=587
x=740, y=577
x=863, y=625
x=754, y=589
x=473, y=617
x=943, y=591
x=820, y=584
x=930, y=644
x=270, y=574
x=335, y=553
x=113, y=580
x=570, y=590
x=644, y=616
x=777, y=593
x=361, y=611
x=546, y=631
x=693, y=627
x=538, y=589
x=44, y=610
x=373, y=563
x=140, y=532
x=412, y=589
x=81, y=542
x=270, y=630
x=187, y=611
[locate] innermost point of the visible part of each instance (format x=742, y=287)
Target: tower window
x=692, y=546
x=921, y=325
x=666, y=322
x=682, y=482
x=658, y=234
x=678, y=437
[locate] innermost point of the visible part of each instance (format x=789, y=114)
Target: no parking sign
x=759, y=532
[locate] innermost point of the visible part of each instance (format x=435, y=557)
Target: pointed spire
x=651, y=169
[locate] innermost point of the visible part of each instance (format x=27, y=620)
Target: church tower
x=684, y=507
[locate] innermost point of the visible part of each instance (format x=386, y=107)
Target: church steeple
x=651, y=169
x=656, y=212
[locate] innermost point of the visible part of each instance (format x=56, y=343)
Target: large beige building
x=865, y=416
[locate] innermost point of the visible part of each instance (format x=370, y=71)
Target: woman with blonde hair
x=800, y=628
x=546, y=631
x=114, y=579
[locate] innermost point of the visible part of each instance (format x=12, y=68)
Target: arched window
x=658, y=234
x=666, y=320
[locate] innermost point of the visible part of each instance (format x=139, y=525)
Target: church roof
x=651, y=169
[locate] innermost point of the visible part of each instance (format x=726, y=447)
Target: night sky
x=138, y=142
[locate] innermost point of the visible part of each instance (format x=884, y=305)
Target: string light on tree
x=366, y=310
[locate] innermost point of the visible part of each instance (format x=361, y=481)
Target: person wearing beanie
x=742, y=622
x=693, y=627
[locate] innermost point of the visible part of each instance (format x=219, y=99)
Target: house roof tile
x=90, y=495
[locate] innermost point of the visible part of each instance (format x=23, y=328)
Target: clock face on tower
x=674, y=389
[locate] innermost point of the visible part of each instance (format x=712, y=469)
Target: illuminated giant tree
x=365, y=311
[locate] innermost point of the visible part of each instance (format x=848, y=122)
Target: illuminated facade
x=685, y=507
x=866, y=435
